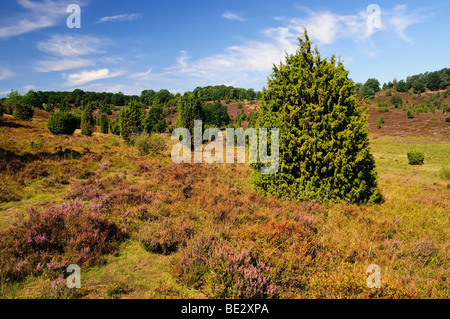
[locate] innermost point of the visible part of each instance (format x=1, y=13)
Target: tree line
x=436, y=80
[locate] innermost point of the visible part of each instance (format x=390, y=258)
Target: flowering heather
x=104, y=165
x=227, y=272
x=51, y=239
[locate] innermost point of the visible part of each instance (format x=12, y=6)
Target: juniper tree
x=190, y=109
x=323, y=143
x=130, y=120
x=104, y=124
x=87, y=122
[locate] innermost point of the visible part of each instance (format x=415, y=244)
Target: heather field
x=140, y=226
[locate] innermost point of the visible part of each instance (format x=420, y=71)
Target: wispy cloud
x=400, y=20
x=69, y=46
x=37, y=15
x=233, y=16
x=328, y=27
x=142, y=76
x=121, y=18
x=5, y=73
x=51, y=65
x=89, y=76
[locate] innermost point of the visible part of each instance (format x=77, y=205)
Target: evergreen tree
x=130, y=120
x=23, y=111
x=190, y=108
x=104, y=124
x=87, y=122
x=323, y=144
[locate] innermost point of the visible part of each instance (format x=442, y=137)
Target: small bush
x=1, y=110
x=36, y=145
x=415, y=158
x=382, y=107
x=115, y=290
x=447, y=119
x=167, y=235
x=410, y=113
x=9, y=110
x=378, y=124
x=62, y=123
x=396, y=101
x=23, y=111
x=239, y=106
x=145, y=143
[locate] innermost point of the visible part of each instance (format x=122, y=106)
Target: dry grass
x=407, y=235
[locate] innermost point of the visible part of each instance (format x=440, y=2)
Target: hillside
x=158, y=220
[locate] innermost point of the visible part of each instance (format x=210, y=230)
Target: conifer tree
x=130, y=120
x=324, y=146
x=87, y=122
x=190, y=108
x=104, y=124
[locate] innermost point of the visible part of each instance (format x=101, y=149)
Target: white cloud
x=67, y=45
x=142, y=76
x=328, y=27
x=37, y=15
x=51, y=65
x=400, y=21
x=29, y=87
x=89, y=76
x=5, y=73
x=232, y=16
x=120, y=18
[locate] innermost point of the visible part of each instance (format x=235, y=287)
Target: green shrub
x=23, y=111
x=410, y=113
x=322, y=166
x=415, y=158
x=382, y=107
x=104, y=124
x=62, y=123
x=145, y=143
x=239, y=106
x=447, y=119
x=378, y=124
x=36, y=145
x=87, y=122
x=396, y=101
x=9, y=110
x=445, y=108
x=115, y=290
x=1, y=110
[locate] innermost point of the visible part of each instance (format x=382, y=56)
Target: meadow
x=141, y=226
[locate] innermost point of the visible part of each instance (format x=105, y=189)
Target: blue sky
x=130, y=46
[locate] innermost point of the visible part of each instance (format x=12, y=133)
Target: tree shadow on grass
x=8, y=123
x=11, y=160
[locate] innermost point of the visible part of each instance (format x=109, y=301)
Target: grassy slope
x=412, y=223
